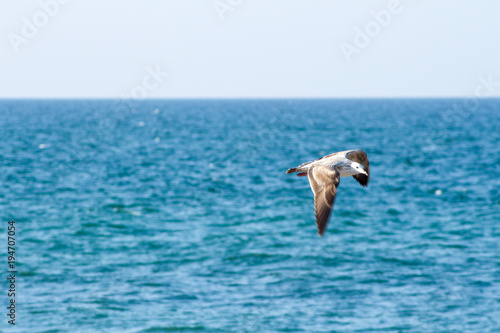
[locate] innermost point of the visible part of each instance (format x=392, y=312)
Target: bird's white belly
x=344, y=170
x=347, y=173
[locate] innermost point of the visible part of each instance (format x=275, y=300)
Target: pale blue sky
x=256, y=48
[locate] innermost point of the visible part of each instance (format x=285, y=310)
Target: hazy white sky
x=248, y=48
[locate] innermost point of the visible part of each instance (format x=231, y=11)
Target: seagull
x=324, y=177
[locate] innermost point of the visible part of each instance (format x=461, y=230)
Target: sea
x=178, y=216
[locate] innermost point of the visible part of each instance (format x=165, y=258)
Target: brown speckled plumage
x=324, y=177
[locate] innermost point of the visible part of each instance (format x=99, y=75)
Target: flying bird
x=324, y=177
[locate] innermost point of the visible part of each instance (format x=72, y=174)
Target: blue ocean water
x=167, y=216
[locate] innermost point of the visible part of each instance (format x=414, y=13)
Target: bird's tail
x=301, y=168
x=292, y=170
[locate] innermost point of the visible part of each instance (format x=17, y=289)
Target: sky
x=249, y=48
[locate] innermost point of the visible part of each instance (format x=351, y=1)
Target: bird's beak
x=365, y=173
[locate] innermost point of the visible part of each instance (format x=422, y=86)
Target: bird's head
x=359, y=168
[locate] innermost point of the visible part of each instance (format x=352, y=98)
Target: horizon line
x=245, y=98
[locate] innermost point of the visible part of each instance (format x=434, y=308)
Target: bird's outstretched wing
x=360, y=157
x=324, y=182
